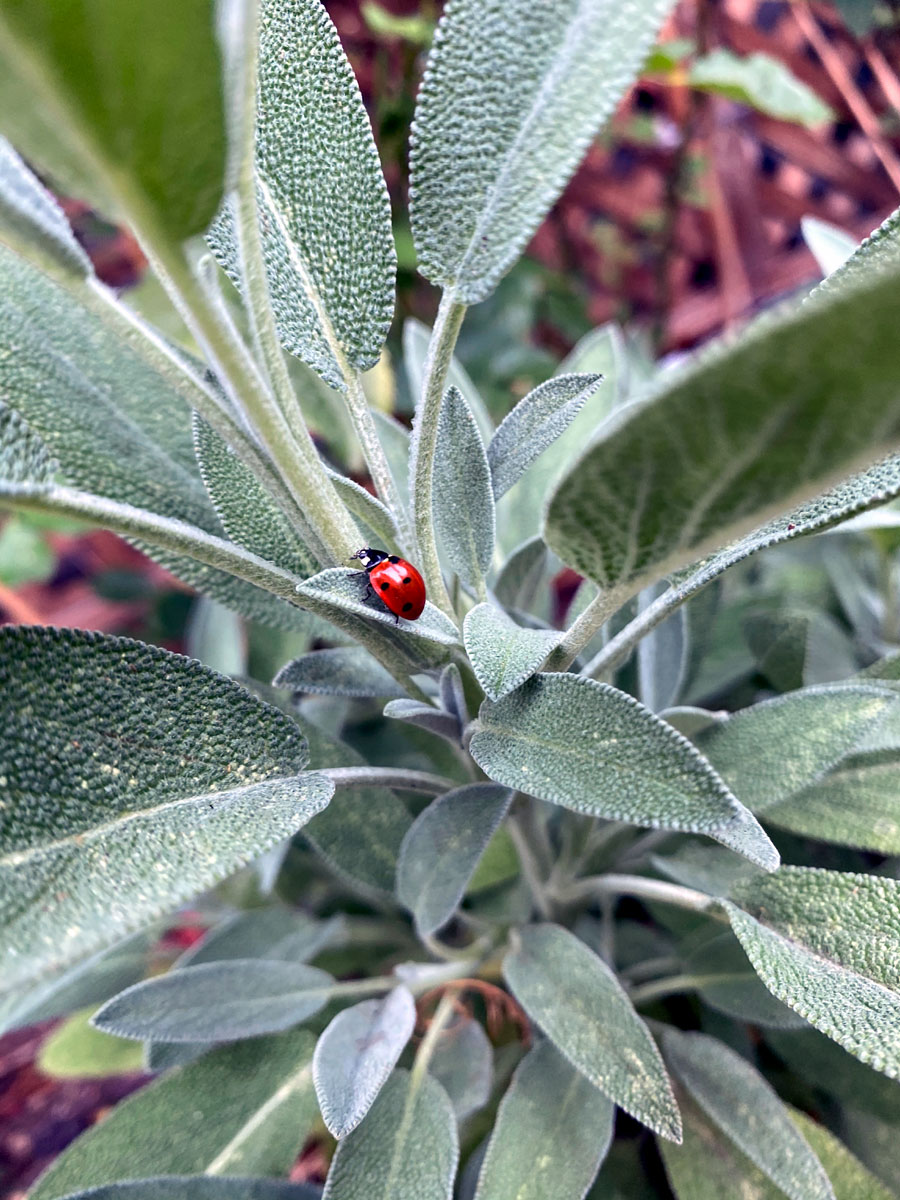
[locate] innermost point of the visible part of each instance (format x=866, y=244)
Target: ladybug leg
x=396, y=618
x=368, y=593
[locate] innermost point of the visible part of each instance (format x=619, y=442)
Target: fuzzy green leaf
x=273, y=932
x=537, y=83
x=78, y=1051
x=747, y=1110
x=534, y=424
x=199, y=1187
x=462, y=1064
x=406, y=1149
x=827, y=944
x=727, y=982
x=139, y=777
x=553, y=1130
x=343, y=671
x=31, y=220
x=141, y=132
x=441, y=851
x=849, y=1178
x=241, y=1109
x=761, y=81
x=248, y=513
x=663, y=656
x=375, y=522
x=829, y=245
x=520, y=576
x=502, y=654
x=857, y=804
x=324, y=209
x=578, y=1002
x=218, y=1001
x=355, y=1056
x=773, y=750
x=806, y=396
x=594, y=749
x=416, y=339
x=426, y=716
x=463, y=497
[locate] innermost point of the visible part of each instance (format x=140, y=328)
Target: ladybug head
x=369, y=556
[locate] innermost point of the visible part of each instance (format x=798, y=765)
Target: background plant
x=455, y=952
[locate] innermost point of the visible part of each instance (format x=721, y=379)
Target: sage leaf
x=761, y=81
x=594, y=749
x=578, y=1002
x=31, y=220
x=416, y=339
x=711, y=869
x=728, y=983
x=463, y=498
x=747, y=1110
x=355, y=1056
x=453, y=696
x=199, y=1187
x=552, y=1132
x=242, y=1109
x=143, y=133
x=708, y=1165
x=264, y=933
x=663, y=656
x=826, y=944
x=394, y=439
x=769, y=404
x=849, y=1178
x=248, y=513
x=141, y=776
x=325, y=216
x=375, y=522
x=521, y=575
x=563, y=72
x=462, y=1064
x=426, y=716
x=76, y=1050
x=856, y=804
x=829, y=245
x=502, y=654
x=218, y=1001
x=534, y=424
x=773, y=750
x=441, y=850
x=343, y=671
x=406, y=1149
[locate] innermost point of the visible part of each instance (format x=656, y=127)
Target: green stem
x=530, y=870
x=642, y=888
x=376, y=461
x=657, y=989
x=392, y=777
x=594, y=617
x=618, y=648
x=441, y=1019
x=423, y=446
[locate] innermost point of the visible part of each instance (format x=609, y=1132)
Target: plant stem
x=392, y=777
x=594, y=617
x=423, y=446
x=641, y=887
x=656, y=989
x=530, y=871
x=440, y=1020
x=618, y=648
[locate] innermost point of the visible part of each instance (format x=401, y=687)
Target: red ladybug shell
x=399, y=586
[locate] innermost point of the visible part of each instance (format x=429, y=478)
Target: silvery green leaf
x=343, y=671
x=502, y=654
x=596, y=750
x=534, y=424
x=199, y=1187
x=143, y=134
x=435, y=720
x=463, y=498
x=360, y=839
x=538, y=84
x=552, y=1132
x=164, y=778
x=406, y=1149
x=453, y=698
x=830, y=246
x=218, y=1001
x=761, y=81
x=274, y=932
x=462, y=1064
x=355, y=1056
x=856, y=804
x=416, y=337
x=521, y=575
x=773, y=750
x=31, y=219
x=795, y=645
x=803, y=397
x=663, y=656
x=823, y=1065
x=215, y=636
x=248, y=513
x=690, y=720
x=394, y=439
x=75, y=1050
x=242, y=1109
x=442, y=848
x=324, y=209
x=23, y=456
x=374, y=520
x=746, y=1108
x=711, y=869
x=578, y=1002
x=728, y=983
x=162, y=1056
x=708, y=1165
x=826, y=944
x=849, y=1178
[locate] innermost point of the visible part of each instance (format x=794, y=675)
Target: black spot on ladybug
x=393, y=558
x=407, y=580
x=385, y=586
x=407, y=606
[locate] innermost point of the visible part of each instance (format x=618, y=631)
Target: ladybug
x=396, y=583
